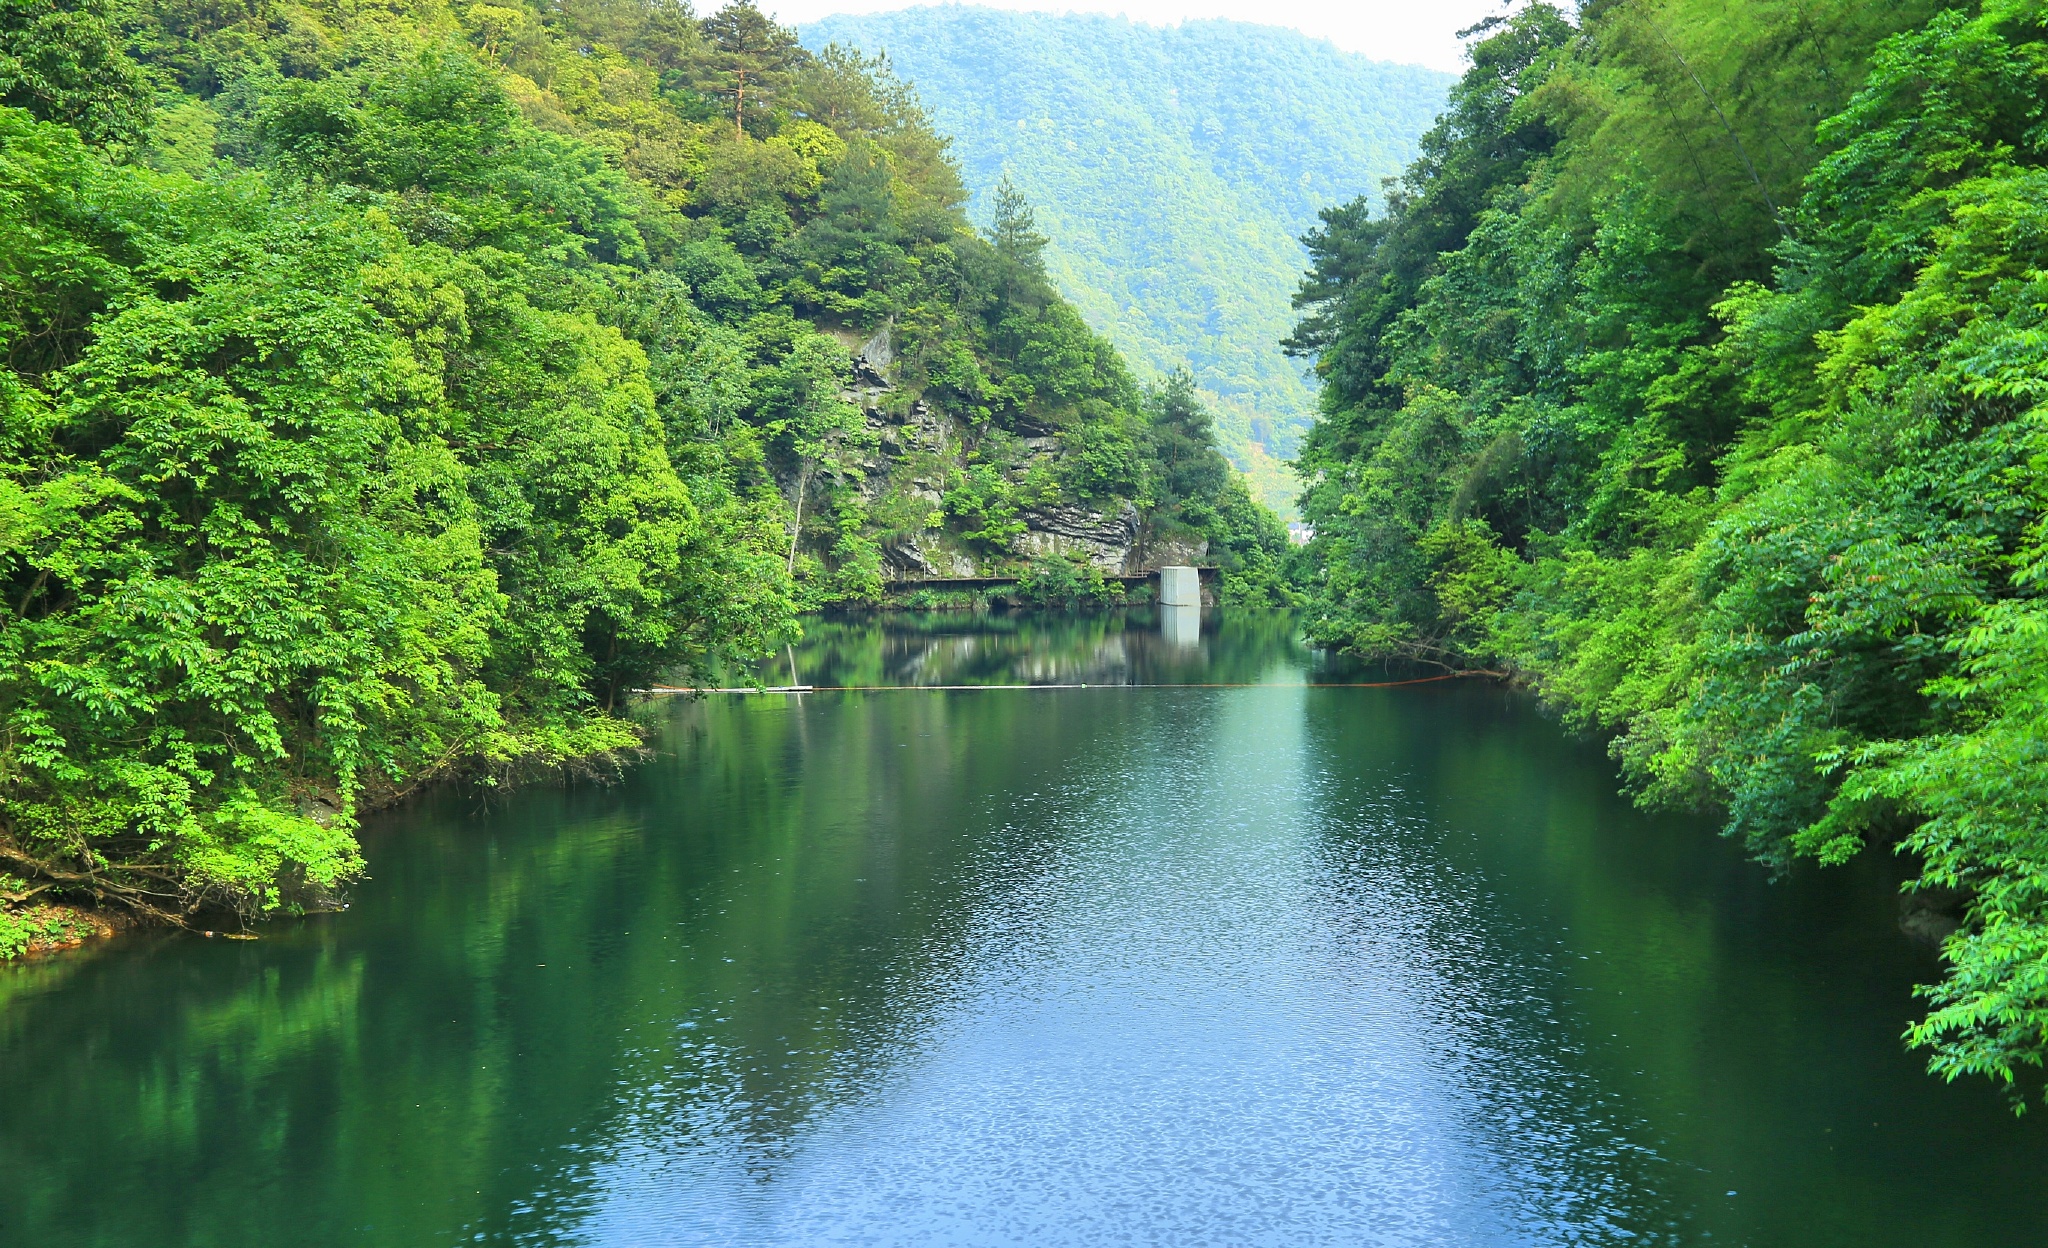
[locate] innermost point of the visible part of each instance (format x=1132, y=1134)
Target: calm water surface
x=1163, y=966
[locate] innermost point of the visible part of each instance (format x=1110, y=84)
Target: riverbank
x=46, y=927
x=45, y=908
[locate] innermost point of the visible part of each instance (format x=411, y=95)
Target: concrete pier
x=1180, y=587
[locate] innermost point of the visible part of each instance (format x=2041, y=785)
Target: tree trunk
x=796, y=531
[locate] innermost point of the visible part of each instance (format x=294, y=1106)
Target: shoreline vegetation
x=1696, y=374
x=390, y=392
x=37, y=928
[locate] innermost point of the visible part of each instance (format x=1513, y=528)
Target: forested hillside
x=390, y=392
x=1697, y=375
x=1173, y=170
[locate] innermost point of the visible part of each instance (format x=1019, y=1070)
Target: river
x=1225, y=959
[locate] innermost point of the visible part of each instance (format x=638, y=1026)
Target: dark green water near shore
x=1155, y=966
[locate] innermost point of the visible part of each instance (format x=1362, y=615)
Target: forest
x=1694, y=374
x=1174, y=168
x=393, y=390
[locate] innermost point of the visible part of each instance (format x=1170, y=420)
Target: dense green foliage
x=1175, y=168
x=1697, y=372
x=392, y=391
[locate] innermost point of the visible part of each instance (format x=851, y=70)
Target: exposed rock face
x=1931, y=915
x=917, y=445
x=925, y=556
x=922, y=428
x=1161, y=552
x=871, y=363
x=1069, y=528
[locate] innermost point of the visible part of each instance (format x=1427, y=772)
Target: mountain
x=1173, y=169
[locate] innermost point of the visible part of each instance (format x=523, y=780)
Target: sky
x=1415, y=32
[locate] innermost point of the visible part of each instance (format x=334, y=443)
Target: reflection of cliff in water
x=1136, y=646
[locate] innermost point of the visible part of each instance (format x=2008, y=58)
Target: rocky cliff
x=920, y=452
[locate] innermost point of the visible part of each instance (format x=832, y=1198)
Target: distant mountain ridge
x=1173, y=168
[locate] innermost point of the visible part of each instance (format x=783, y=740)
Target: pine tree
x=753, y=55
x=1015, y=232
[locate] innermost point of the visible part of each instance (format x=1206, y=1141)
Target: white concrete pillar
x=1180, y=587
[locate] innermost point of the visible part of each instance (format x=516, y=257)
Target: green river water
x=1269, y=965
